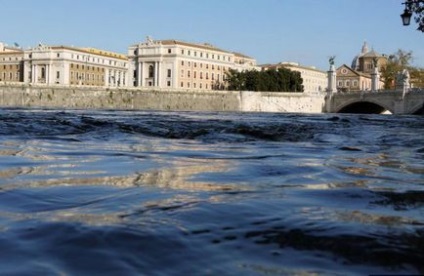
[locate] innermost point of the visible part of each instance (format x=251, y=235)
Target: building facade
x=352, y=80
x=314, y=80
x=11, y=64
x=358, y=77
x=65, y=65
x=182, y=65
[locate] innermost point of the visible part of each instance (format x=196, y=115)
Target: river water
x=188, y=193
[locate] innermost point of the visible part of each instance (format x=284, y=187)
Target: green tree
x=396, y=63
x=417, y=77
x=417, y=8
x=281, y=80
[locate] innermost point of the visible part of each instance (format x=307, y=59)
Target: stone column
x=33, y=74
x=48, y=68
x=35, y=80
x=157, y=74
x=332, y=88
x=332, y=85
x=375, y=80
x=139, y=74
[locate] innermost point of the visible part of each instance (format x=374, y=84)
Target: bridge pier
x=332, y=87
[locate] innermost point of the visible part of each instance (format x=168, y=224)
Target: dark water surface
x=175, y=193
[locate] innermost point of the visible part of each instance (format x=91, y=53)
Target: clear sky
x=304, y=31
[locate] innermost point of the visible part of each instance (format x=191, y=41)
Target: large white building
x=314, y=80
x=74, y=66
x=182, y=65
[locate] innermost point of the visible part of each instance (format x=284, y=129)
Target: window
x=201, y=75
x=188, y=74
x=169, y=83
x=169, y=73
x=195, y=74
x=182, y=63
x=182, y=52
x=58, y=55
x=57, y=75
x=182, y=84
x=169, y=51
x=182, y=73
x=151, y=72
x=340, y=83
x=355, y=83
x=347, y=83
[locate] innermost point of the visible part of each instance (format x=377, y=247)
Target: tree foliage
x=281, y=80
x=417, y=8
x=397, y=62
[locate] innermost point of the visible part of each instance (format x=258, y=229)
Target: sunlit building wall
x=182, y=65
x=65, y=65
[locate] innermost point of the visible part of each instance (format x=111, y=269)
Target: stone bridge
x=409, y=101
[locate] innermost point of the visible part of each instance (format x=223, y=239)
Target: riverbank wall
x=42, y=96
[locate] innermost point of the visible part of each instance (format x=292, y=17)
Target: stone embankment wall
x=24, y=95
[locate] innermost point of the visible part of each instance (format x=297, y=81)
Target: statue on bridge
x=403, y=80
x=331, y=60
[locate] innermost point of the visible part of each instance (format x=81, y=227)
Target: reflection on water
x=176, y=193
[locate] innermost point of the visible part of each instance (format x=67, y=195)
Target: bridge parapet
x=397, y=102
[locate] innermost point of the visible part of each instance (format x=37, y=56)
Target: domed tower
x=355, y=62
x=368, y=61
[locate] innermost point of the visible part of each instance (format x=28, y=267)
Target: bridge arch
x=363, y=107
x=418, y=109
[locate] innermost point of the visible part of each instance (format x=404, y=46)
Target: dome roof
x=355, y=62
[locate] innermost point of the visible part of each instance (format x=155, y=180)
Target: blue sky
x=304, y=31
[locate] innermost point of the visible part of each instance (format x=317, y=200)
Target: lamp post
x=407, y=13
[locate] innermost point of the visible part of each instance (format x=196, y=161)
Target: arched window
x=43, y=72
